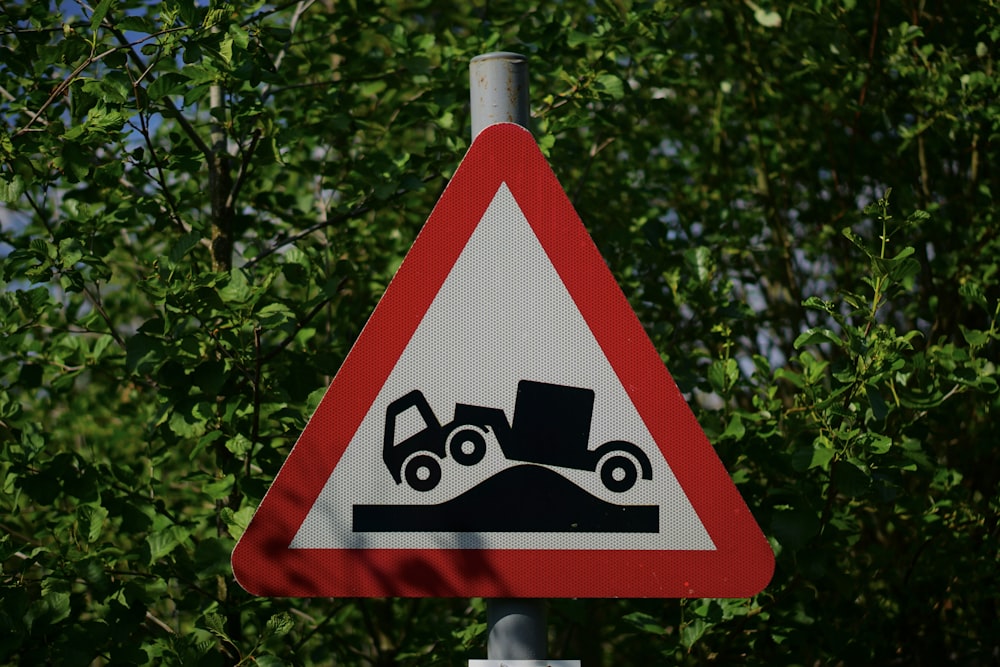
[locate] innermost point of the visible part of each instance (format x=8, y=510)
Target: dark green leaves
x=162, y=542
x=91, y=520
x=794, y=526
x=723, y=374
x=817, y=336
x=11, y=187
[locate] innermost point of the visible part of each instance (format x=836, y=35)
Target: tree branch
x=174, y=112
x=62, y=86
x=281, y=242
x=220, y=185
x=244, y=168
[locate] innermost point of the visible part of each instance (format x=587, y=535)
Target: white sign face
x=503, y=347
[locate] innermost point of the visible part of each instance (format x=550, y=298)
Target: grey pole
x=498, y=86
x=517, y=629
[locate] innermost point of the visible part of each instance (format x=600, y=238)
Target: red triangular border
x=742, y=563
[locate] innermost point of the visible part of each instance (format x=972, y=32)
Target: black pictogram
x=522, y=499
x=551, y=426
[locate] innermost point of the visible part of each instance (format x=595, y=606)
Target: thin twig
x=244, y=169
x=174, y=112
x=268, y=12
x=160, y=624
x=302, y=7
x=281, y=242
x=61, y=88
x=594, y=150
x=255, y=423
x=299, y=325
x=864, y=86
x=316, y=626
x=95, y=299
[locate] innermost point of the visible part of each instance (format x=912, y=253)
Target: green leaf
x=162, y=542
x=611, y=85
x=239, y=445
x=735, y=429
x=700, y=260
x=858, y=242
x=722, y=374
x=211, y=557
x=974, y=337
x=11, y=188
x=816, y=303
x=216, y=624
x=278, y=625
x=182, y=246
x=70, y=252
x=790, y=376
x=275, y=315
x=899, y=268
x=189, y=421
x=217, y=489
x=877, y=443
x=238, y=521
x=238, y=289
x=850, y=480
x=817, y=454
x=877, y=403
x=816, y=336
x=372, y=88
x=209, y=376
x=275, y=661
x=168, y=83
x=53, y=607
x=918, y=216
x=692, y=632
x=100, y=12
x=143, y=354
x=226, y=49
x=91, y=519
x=33, y=302
x=972, y=292
x=92, y=571
x=645, y=623
x=814, y=370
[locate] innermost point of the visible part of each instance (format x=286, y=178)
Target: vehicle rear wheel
x=619, y=473
x=467, y=446
x=422, y=472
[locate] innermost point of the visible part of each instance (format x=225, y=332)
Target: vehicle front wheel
x=422, y=472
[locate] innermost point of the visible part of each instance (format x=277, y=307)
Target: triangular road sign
x=503, y=427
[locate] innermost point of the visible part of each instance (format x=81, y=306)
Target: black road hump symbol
x=551, y=426
x=525, y=498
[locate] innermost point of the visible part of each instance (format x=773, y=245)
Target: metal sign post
x=498, y=87
x=518, y=634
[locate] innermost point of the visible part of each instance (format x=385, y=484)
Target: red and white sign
x=503, y=427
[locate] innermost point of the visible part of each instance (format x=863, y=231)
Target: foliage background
x=201, y=204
